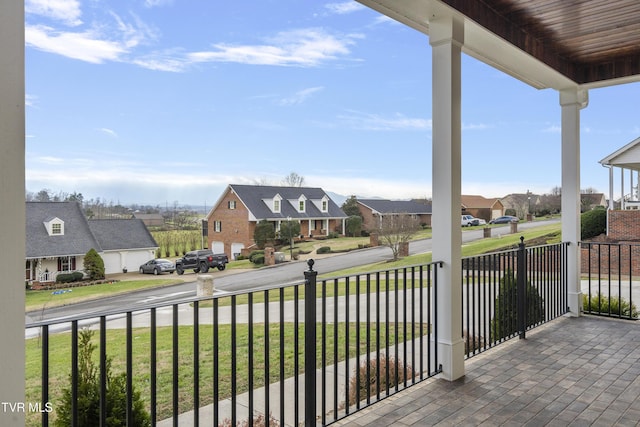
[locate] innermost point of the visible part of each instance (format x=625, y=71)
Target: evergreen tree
x=350, y=207
x=264, y=233
x=88, y=398
x=94, y=265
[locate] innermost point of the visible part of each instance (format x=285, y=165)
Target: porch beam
x=446, y=38
x=12, y=210
x=571, y=102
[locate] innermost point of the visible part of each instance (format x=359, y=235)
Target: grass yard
x=60, y=359
x=38, y=300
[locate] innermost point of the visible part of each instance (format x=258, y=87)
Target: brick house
x=373, y=210
x=233, y=219
x=481, y=207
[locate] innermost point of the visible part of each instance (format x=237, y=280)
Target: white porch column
x=446, y=37
x=12, y=210
x=572, y=101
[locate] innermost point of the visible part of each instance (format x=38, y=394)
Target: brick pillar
x=403, y=249
x=269, y=256
x=373, y=240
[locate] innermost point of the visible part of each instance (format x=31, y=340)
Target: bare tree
x=556, y=191
x=397, y=229
x=293, y=180
x=261, y=182
x=589, y=190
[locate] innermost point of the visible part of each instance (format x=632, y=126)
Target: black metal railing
x=507, y=293
x=610, y=279
x=311, y=352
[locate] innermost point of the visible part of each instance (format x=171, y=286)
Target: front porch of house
x=45, y=270
x=372, y=328
x=572, y=371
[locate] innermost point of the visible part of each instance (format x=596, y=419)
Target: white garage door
x=217, y=247
x=235, y=249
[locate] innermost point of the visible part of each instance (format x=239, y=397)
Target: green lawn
x=38, y=300
x=60, y=359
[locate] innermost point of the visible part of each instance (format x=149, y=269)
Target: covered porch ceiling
x=546, y=43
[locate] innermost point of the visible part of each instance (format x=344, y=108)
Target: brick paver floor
x=570, y=372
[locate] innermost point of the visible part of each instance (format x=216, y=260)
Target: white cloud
x=552, y=129
x=376, y=122
x=300, y=96
x=85, y=46
x=344, y=7
x=156, y=3
x=30, y=100
x=66, y=11
x=109, y=132
x=475, y=126
x=302, y=48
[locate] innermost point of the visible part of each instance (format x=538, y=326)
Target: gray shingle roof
x=396, y=206
x=116, y=234
x=76, y=240
x=254, y=196
x=80, y=235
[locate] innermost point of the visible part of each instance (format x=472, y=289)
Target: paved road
x=280, y=274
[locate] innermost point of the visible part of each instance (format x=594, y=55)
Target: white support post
x=446, y=36
x=12, y=213
x=622, y=204
x=572, y=101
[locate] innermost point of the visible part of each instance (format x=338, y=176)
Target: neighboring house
x=150, y=220
x=58, y=236
x=592, y=200
x=233, y=219
x=373, y=210
x=481, y=207
x=523, y=203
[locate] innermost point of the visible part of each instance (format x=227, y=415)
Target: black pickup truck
x=201, y=261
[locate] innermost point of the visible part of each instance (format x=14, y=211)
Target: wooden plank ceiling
x=586, y=40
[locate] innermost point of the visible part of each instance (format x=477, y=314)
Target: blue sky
x=157, y=101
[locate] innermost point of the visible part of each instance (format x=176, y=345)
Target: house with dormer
x=232, y=220
x=58, y=235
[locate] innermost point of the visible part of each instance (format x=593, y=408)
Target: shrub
x=94, y=265
x=258, y=259
x=76, y=276
x=254, y=254
x=88, y=401
x=323, y=250
x=361, y=384
x=472, y=343
x=264, y=233
x=354, y=225
x=593, y=223
x=510, y=212
x=258, y=421
x=602, y=304
x=505, y=322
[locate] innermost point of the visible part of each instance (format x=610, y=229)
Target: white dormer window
x=276, y=203
x=324, y=204
x=54, y=226
x=302, y=203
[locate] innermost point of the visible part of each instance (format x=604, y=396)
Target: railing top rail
x=514, y=250
x=405, y=267
x=609, y=243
